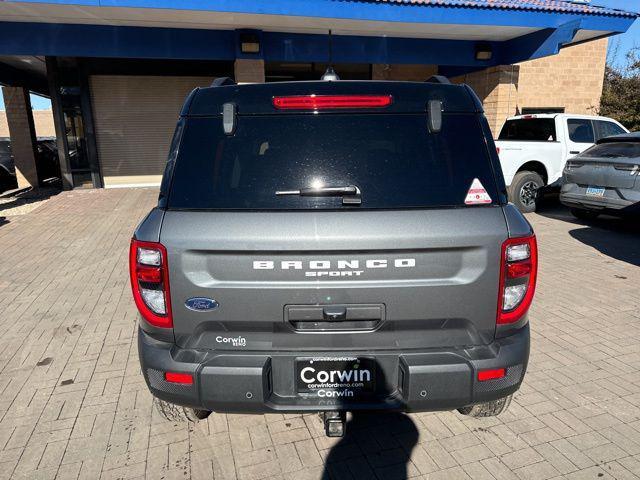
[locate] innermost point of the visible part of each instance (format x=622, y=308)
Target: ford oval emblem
x=201, y=304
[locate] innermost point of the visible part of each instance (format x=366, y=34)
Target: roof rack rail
x=222, y=81
x=438, y=79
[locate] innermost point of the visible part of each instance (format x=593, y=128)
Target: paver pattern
x=73, y=403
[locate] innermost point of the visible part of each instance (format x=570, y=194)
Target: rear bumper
x=614, y=200
x=261, y=382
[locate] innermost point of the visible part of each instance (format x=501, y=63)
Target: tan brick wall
x=22, y=133
x=381, y=71
x=497, y=88
x=249, y=70
x=43, y=120
x=572, y=79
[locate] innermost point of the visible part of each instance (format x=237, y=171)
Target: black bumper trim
x=261, y=382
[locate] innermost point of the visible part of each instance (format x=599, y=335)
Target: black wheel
x=524, y=191
x=487, y=409
x=178, y=413
x=583, y=214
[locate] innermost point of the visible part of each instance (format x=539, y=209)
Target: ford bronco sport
x=330, y=247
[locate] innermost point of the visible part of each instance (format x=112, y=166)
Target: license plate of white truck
x=335, y=377
x=595, y=191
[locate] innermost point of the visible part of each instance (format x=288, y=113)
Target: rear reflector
x=320, y=102
x=516, y=270
x=149, y=274
x=181, y=378
x=484, y=375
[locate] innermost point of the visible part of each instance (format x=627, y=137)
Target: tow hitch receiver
x=334, y=423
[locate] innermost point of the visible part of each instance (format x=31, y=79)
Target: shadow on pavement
x=3, y=221
x=623, y=246
x=377, y=444
x=617, y=238
x=18, y=198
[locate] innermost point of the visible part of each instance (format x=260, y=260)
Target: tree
x=621, y=92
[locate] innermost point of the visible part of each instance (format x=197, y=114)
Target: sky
x=620, y=44
x=631, y=39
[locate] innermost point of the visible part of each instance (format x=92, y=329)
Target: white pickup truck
x=533, y=150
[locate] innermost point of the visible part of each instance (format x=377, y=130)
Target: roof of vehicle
x=561, y=115
x=258, y=98
x=623, y=137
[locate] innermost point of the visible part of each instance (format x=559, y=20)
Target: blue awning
x=440, y=32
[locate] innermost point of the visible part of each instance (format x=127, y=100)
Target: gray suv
x=330, y=247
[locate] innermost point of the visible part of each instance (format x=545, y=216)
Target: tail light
x=627, y=167
x=320, y=102
x=518, y=271
x=150, y=282
x=498, y=150
x=572, y=164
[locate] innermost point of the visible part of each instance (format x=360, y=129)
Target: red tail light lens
x=320, y=102
x=484, y=375
x=150, y=282
x=181, y=378
x=518, y=272
x=149, y=274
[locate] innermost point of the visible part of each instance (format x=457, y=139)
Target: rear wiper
x=350, y=193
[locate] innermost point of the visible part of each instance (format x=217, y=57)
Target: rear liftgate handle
x=334, y=314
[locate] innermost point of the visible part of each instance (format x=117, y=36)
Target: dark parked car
x=7, y=169
x=604, y=178
x=333, y=246
x=47, y=162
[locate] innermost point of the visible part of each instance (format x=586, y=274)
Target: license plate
x=595, y=191
x=336, y=377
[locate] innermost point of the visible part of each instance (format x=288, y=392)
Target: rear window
x=613, y=150
x=392, y=159
x=529, y=129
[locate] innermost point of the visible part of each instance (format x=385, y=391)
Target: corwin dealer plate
x=335, y=377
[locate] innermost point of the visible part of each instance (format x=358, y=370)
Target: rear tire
x=487, y=409
x=583, y=214
x=524, y=191
x=178, y=413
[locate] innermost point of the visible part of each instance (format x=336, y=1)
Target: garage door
x=134, y=119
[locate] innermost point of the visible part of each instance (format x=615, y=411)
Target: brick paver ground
x=73, y=403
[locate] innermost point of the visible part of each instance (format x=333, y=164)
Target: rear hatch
x=611, y=165
x=408, y=265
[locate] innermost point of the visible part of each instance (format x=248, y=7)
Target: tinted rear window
x=613, y=150
x=529, y=129
x=393, y=159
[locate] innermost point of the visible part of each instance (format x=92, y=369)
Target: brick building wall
x=497, y=87
x=571, y=80
x=43, y=120
x=381, y=71
x=22, y=133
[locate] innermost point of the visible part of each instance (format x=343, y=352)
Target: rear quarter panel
x=514, y=154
